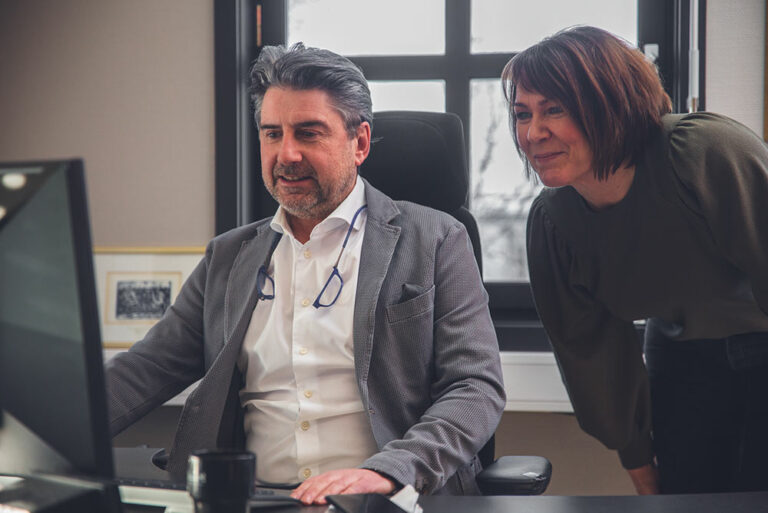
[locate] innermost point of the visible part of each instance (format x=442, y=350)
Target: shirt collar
x=341, y=216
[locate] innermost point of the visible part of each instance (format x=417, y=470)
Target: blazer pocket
x=411, y=308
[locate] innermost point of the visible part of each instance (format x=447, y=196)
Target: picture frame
x=135, y=285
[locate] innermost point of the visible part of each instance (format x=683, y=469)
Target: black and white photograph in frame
x=143, y=299
x=136, y=285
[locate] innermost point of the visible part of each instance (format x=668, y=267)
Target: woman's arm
x=599, y=355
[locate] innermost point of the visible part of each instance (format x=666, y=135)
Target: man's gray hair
x=302, y=68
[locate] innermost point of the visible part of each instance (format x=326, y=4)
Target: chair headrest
x=419, y=157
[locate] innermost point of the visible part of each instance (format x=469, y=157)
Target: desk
x=756, y=502
x=136, y=462
x=710, y=503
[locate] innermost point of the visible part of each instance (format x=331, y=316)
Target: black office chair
x=421, y=157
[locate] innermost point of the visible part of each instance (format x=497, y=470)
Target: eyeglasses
x=265, y=284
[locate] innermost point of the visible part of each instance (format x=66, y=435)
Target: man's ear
x=362, y=142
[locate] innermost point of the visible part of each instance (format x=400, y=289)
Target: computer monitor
x=53, y=413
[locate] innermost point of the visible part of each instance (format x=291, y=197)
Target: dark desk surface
x=756, y=502
x=714, y=503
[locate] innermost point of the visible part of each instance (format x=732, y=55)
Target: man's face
x=308, y=160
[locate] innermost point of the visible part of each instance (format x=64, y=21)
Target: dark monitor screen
x=52, y=395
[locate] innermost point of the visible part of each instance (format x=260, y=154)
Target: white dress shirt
x=303, y=413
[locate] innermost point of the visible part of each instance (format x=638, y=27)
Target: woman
x=647, y=215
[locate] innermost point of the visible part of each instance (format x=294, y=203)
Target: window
x=366, y=27
x=426, y=95
x=441, y=55
x=503, y=26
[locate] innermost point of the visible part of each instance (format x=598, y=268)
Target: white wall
x=735, y=60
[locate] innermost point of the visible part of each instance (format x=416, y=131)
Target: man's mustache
x=293, y=171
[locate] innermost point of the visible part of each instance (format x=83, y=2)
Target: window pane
x=408, y=95
x=500, y=194
x=369, y=27
x=504, y=26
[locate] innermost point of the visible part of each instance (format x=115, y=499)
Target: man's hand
x=645, y=479
x=342, y=481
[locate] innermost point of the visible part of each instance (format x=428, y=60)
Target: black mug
x=221, y=481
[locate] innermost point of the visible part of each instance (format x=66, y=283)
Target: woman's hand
x=645, y=479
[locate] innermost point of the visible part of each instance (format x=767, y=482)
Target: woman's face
x=550, y=138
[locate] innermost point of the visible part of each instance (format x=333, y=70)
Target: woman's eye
x=556, y=109
x=522, y=115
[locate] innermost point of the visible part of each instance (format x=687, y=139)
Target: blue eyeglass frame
x=263, y=277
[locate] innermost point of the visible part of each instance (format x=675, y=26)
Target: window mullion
x=457, y=37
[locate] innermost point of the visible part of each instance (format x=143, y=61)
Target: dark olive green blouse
x=687, y=246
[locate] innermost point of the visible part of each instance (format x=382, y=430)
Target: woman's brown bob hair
x=607, y=86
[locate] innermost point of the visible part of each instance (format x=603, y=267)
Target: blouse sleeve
x=723, y=167
x=599, y=355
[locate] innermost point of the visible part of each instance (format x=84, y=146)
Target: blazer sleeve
x=467, y=388
x=166, y=361
x=599, y=355
x=723, y=168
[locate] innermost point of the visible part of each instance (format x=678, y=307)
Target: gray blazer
x=426, y=354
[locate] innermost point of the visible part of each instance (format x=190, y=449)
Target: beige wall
x=735, y=60
x=128, y=86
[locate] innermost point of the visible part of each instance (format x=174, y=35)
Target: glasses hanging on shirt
x=265, y=284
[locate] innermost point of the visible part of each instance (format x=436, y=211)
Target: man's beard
x=317, y=203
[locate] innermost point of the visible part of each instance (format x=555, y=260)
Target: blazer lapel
x=216, y=387
x=241, y=296
x=378, y=247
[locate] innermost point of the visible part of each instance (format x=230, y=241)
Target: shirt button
x=303, y=351
x=305, y=302
x=305, y=426
x=308, y=393
x=306, y=473
x=307, y=254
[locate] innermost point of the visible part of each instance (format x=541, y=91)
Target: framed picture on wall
x=135, y=287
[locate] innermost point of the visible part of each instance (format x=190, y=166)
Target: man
x=346, y=341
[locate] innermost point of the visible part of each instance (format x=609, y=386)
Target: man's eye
x=271, y=134
x=307, y=134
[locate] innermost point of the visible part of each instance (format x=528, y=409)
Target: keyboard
x=150, y=483
x=179, y=501
x=260, y=493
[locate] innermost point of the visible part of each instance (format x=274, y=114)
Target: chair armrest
x=515, y=475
